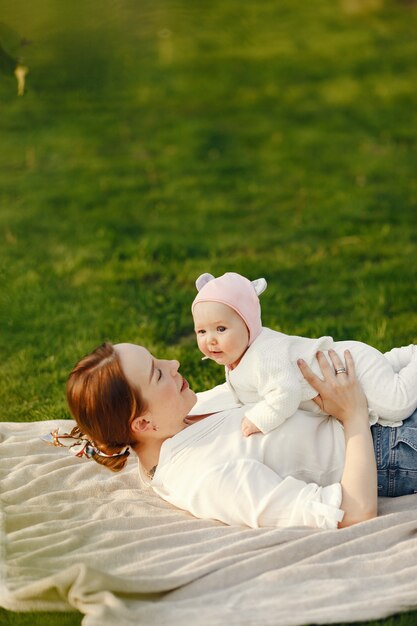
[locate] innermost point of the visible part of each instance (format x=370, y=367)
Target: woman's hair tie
x=79, y=446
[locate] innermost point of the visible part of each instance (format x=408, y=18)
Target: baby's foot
x=248, y=427
x=401, y=357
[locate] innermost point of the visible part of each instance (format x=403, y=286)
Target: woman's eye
x=221, y=329
x=159, y=374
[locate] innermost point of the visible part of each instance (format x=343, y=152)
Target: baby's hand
x=248, y=427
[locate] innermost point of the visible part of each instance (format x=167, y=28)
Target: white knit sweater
x=269, y=378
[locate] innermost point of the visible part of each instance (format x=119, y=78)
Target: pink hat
x=237, y=292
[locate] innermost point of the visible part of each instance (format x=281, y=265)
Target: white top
x=268, y=378
x=288, y=477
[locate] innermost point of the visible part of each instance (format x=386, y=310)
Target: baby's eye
x=221, y=329
x=201, y=332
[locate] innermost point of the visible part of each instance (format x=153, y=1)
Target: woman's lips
x=184, y=385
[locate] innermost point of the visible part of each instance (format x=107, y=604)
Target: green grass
x=159, y=141
x=42, y=619
x=74, y=619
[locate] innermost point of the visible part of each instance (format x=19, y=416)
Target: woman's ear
x=140, y=425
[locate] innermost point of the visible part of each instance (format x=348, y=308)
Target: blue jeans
x=396, y=457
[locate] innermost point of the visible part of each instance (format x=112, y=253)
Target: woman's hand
x=340, y=393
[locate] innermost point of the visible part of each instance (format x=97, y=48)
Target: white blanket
x=76, y=536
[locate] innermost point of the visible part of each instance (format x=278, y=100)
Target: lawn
x=156, y=141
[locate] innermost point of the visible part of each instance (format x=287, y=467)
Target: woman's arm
x=341, y=395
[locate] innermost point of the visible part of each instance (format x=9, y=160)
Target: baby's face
x=222, y=335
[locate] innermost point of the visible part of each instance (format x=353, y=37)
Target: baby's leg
x=401, y=357
x=393, y=396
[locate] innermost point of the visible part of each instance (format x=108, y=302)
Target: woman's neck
x=191, y=419
x=148, y=451
x=148, y=454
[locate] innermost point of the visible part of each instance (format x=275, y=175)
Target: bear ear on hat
x=259, y=285
x=202, y=280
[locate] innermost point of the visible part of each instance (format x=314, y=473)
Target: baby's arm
x=280, y=390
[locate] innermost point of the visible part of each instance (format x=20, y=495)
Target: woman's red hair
x=103, y=403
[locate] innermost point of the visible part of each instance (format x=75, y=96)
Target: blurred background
x=155, y=140
x=143, y=142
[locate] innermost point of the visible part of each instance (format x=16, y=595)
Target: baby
x=261, y=364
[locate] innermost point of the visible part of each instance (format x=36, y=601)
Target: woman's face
x=166, y=393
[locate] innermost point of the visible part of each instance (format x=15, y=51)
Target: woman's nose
x=175, y=366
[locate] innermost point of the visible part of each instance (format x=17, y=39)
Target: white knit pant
x=389, y=380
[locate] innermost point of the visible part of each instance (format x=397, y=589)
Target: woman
x=310, y=471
